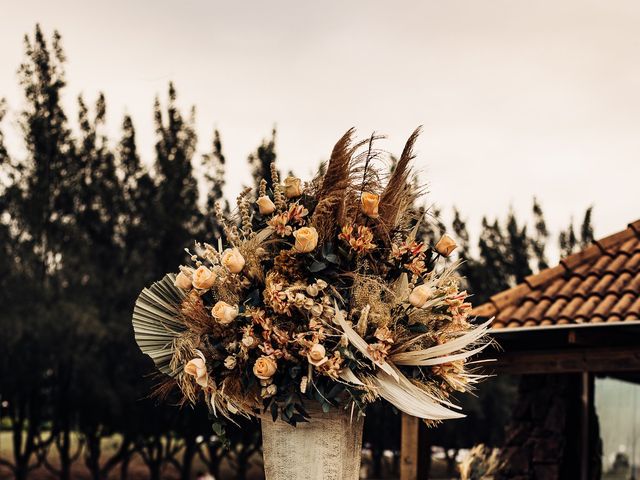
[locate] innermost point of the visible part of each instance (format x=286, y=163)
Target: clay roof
x=596, y=285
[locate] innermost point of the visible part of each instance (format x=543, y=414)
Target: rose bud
x=233, y=260
x=230, y=362
x=264, y=368
x=224, y=313
x=445, y=245
x=272, y=389
x=419, y=295
x=249, y=342
x=317, y=355
x=197, y=369
x=306, y=239
x=370, y=203
x=292, y=187
x=203, y=278
x=265, y=205
x=183, y=281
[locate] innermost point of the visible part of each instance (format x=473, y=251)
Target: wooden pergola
x=578, y=319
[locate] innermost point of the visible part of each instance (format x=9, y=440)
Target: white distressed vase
x=328, y=447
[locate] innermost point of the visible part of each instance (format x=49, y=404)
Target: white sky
x=518, y=97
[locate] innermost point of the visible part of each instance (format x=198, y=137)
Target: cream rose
x=233, y=260
x=266, y=205
x=292, y=187
x=203, y=278
x=370, y=203
x=224, y=313
x=265, y=368
x=445, y=245
x=183, y=281
x=306, y=239
x=317, y=355
x=197, y=368
x=419, y=295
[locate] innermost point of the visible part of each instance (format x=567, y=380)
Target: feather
x=416, y=357
x=348, y=376
x=423, y=362
x=156, y=322
x=410, y=399
x=358, y=342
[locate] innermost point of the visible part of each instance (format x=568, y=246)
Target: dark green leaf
x=317, y=266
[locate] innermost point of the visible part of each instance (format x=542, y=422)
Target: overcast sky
x=517, y=97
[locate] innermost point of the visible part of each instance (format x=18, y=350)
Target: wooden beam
x=574, y=360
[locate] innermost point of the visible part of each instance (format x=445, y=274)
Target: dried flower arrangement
x=319, y=292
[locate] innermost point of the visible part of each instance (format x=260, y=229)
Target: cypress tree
x=539, y=241
x=518, y=249
x=260, y=161
x=586, y=229
x=214, y=166
x=178, y=216
x=567, y=240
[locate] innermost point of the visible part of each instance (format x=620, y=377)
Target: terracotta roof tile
x=630, y=246
x=623, y=304
x=598, y=267
x=633, y=263
x=604, y=306
x=599, y=284
x=552, y=289
x=521, y=313
x=571, y=308
x=594, y=284
x=577, y=259
x=534, y=281
x=502, y=299
x=617, y=263
x=539, y=310
x=634, y=309
x=569, y=287
x=554, y=311
x=614, y=240
x=588, y=307
x=633, y=285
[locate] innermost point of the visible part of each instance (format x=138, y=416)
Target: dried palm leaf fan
x=155, y=321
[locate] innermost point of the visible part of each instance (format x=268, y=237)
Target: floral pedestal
x=328, y=447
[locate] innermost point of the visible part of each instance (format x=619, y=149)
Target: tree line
x=85, y=225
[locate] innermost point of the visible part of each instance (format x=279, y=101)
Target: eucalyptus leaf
x=317, y=266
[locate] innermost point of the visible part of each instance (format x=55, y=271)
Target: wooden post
x=409, y=448
x=585, y=406
x=414, y=451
